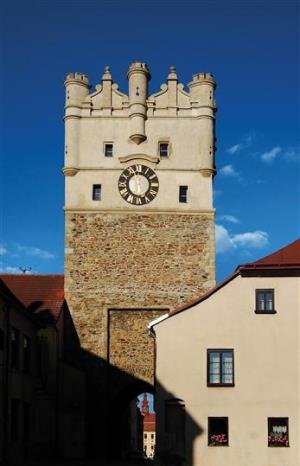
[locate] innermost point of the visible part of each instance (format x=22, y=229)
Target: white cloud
x=9, y=269
x=229, y=171
x=3, y=250
x=225, y=241
x=229, y=218
x=234, y=149
x=243, y=144
x=271, y=154
x=292, y=154
x=37, y=252
x=255, y=239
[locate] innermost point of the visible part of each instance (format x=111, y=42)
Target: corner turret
x=138, y=76
x=202, y=89
x=77, y=88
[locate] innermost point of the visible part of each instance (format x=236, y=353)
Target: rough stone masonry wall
x=133, y=260
x=131, y=349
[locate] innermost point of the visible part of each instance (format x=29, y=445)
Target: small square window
x=164, y=149
x=108, y=149
x=278, y=432
x=265, y=301
x=96, y=192
x=218, y=431
x=183, y=193
x=220, y=367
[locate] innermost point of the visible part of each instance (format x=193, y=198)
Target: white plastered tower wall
x=136, y=124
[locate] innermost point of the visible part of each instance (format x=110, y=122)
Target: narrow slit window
x=15, y=348
x=108, y=149
x=26, y=354
x=96, y=192
x=183, y=190
x=164, y=149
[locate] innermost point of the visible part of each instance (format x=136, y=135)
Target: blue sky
x=252, y=48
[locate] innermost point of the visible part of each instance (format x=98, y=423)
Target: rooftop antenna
x=25, y=269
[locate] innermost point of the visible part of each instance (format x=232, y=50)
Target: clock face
x=138, y=184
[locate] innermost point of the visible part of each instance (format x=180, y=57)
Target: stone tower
x=139, y=219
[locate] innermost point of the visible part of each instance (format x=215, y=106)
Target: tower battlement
x=203, y=77
x=137, y=66
x=77, y=77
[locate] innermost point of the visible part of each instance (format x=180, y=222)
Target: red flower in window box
x=218, y=440
x=278, y=440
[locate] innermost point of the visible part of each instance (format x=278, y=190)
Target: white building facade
x=227, y=369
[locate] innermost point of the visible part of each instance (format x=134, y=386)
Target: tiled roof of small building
x=149, y=422
x=37, y=293
x=288, y=256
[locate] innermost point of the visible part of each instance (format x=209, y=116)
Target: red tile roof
x=288, y=256
x=149, y=422
x=37, y=292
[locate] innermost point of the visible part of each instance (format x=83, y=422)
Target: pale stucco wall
x=266, y=356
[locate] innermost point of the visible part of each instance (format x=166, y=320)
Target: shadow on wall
x=110, y=391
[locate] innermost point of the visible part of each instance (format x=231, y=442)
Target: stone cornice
x=158, y=168
x=210, y=212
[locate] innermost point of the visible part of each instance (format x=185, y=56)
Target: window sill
x=220, y=385
x=221, y=445
x=278, y=446
x=265, y=312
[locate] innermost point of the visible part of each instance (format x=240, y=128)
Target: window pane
x=97, y=192
x=261, y=301
x=108, y=150
x=164, y=149
x=183, y=193
x=265, y=300
x=227, y=367
x=220, y=367
x=269, y=301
